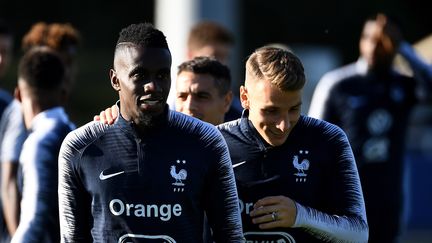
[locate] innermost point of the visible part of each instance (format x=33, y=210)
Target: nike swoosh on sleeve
x=104, y=177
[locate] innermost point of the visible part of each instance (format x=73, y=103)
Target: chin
x=276, y=141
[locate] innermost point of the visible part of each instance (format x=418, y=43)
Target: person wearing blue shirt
x=296, y=176
x=41, y=75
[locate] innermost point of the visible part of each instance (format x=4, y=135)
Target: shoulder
x=335, y=76
x=320, y=128
x=83, y=136
x=230, y=128
x=191, y=126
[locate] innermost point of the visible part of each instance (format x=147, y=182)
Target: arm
x=346, y=222
x=10, y=195
x=74, y=202
x=221, y=200
x=39, y=218
x=422, y=70
x=13, y=135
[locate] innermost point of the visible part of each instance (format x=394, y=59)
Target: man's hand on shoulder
x=107, y=116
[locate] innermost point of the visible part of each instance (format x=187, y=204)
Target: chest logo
x=103, y=176
x=179, y=176
x=301, y=166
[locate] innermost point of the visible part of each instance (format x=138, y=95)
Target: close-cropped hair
x=42, y=69
x=208, y=32
x=209, y=65
x=142, y=34
x=281, y=67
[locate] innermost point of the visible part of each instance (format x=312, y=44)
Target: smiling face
x=198, y=96
x=273, y=112
x=142, y=78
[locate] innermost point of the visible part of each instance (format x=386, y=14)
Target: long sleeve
x=222, y=199
x=74, y=203
x=421, y=69
x=349, y=224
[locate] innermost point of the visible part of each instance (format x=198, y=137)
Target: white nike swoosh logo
x=238, y=164
x=104, y=177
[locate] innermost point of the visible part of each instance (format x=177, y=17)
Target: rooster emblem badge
x=178, y=176
x=301, y=167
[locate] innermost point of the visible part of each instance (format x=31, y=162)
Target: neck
x=32, y=108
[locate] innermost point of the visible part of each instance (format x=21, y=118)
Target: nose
x=284, y=124
x=189, y=104
x=150, y=87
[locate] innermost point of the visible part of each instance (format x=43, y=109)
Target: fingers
x=264, y=211
x=274, y=211
x=108, y=116
x=268, y=201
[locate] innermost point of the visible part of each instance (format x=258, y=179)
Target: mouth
x=149, y=101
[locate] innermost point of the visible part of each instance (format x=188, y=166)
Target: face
x=220, y=52
x=5, y=53
x=142, y=78
x=198, y=96
x=376, y=46
x=273, y=112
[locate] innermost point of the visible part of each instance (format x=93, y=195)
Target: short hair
x=208, y=32
x=211, y=66
x=62, y=37
x=143, y=34
x=42, y=69
x=281, y=67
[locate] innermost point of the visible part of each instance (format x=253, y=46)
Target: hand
x=391, y=34
x=108, y=116
x=274, y=212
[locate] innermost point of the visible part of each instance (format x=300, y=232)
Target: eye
x=296, y=108
x=269, y=111
x=163, y=76
x=182, y=96
x=203, y=96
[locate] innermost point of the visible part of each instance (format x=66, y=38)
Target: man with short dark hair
x=154, y=172
x=41, y=75
x=203, y=89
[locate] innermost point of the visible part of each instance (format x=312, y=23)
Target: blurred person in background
x=65, y=39
x=41, y=77
x=372, y=103
x=208, y=38
x=6, y=49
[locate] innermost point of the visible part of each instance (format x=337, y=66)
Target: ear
x=227, y=101
x=244, y=97
x=115, y=83
x=17, y=93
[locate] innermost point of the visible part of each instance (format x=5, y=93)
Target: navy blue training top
x=315, y=167
x=118, y=187
x=374, y=109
